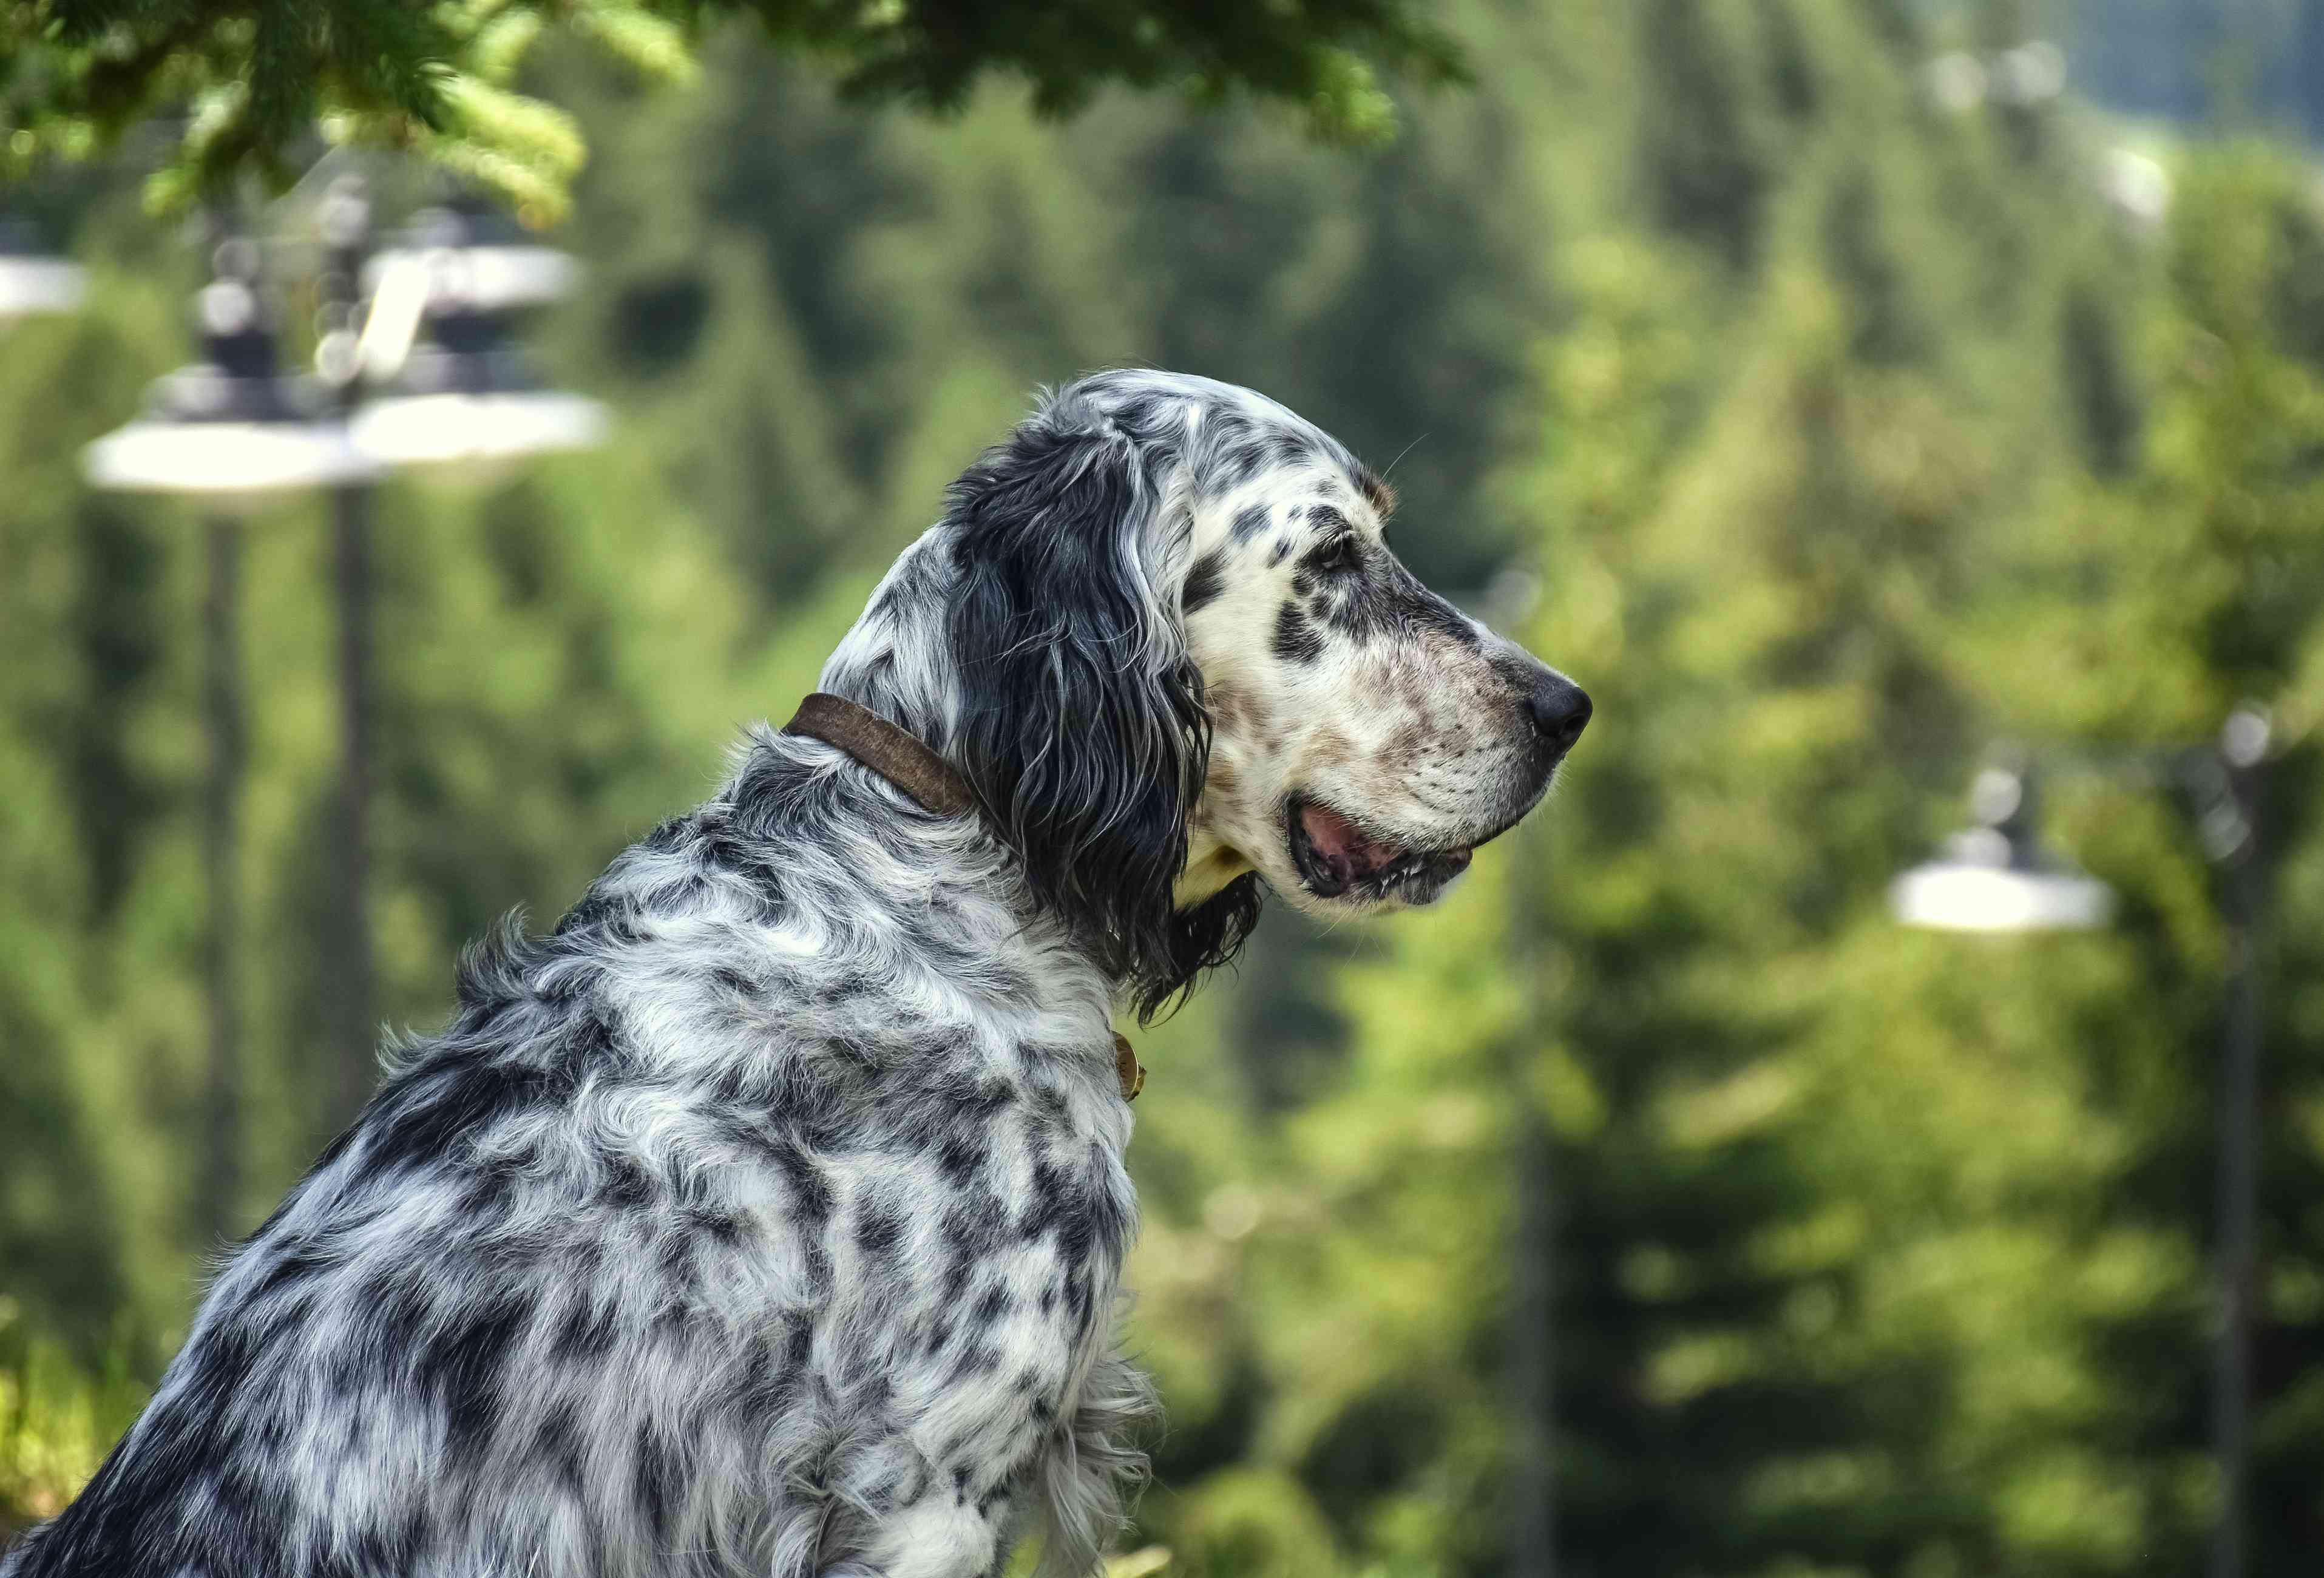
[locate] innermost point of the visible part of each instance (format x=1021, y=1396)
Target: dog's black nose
x=1559, y=710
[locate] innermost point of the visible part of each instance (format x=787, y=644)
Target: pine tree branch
x=255, y=83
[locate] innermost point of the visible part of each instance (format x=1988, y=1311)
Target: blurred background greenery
x=1825, y=394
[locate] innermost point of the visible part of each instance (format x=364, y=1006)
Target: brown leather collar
x=890, y=752
x=929, y=780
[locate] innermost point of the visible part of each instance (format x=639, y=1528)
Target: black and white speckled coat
x=768, y=1217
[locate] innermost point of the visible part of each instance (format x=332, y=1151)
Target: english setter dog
x=767, y=1217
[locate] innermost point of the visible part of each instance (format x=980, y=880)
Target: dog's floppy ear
x=1082, y=724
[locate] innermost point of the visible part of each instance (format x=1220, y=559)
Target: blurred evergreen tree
x=1879, y=1253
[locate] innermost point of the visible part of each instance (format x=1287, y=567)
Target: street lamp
x=501, y=267
x=230, y=428
x=418, y=343
x=1995, y=877
x=234, y=431
x=31, y=280
x=455, y=387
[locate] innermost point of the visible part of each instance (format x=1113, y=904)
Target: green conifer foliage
x=252, y=81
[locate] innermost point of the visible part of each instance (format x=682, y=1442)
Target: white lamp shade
x=226, y=461
x=474, y=431
x=1951, y=895
x=38, y=284
x=486, y=277
x=2138, y=187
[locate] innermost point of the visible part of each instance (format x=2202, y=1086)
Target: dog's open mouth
x=1337, y=859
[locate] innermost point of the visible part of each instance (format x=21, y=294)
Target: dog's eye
x=1338, y=554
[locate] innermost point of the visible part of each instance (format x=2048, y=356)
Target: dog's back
x=763, y=1219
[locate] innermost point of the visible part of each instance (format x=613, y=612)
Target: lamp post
x=418, y=345
x=344, y=217
x=1995, y=877
x=1533, y=1352
x=235, y=433
x=1513, y=595
x=2234, y=836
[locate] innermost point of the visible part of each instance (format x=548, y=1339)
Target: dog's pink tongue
x=1342, y=844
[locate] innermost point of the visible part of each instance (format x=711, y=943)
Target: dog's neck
x=891, y=660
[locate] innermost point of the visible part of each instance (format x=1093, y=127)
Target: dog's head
x=1366, y=734
x=1184, y=659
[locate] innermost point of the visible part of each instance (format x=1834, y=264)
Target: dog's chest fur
x=767, y=1217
